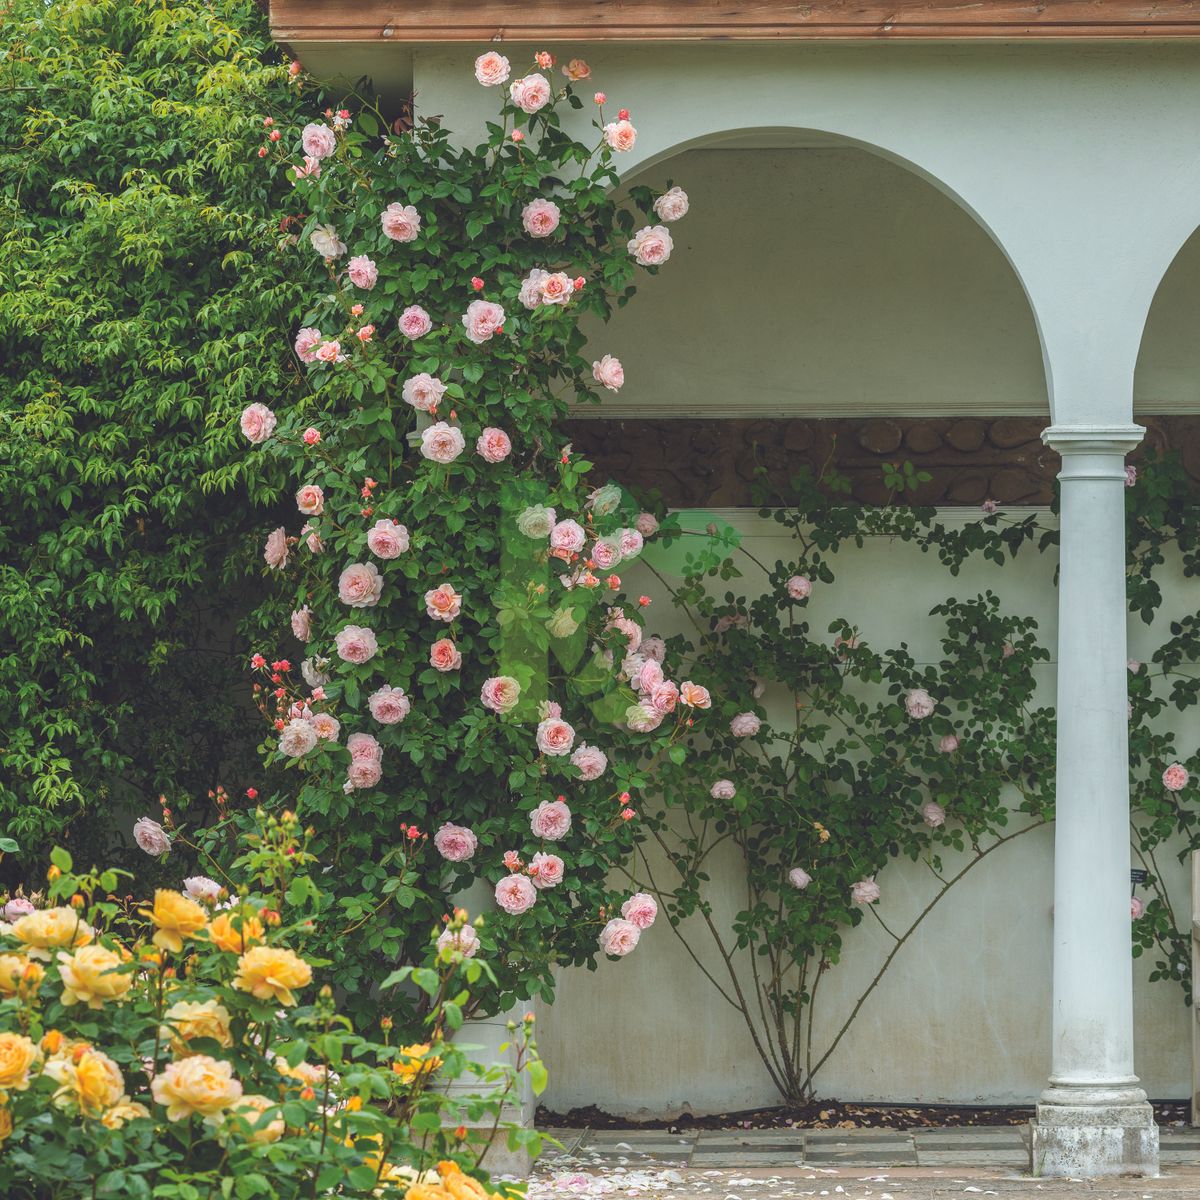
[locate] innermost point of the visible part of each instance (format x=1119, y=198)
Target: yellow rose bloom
x=250, y=1109
x=235, y=934
x=19, y=976
x=187, y=1020
x=176, y=917
x=121, y=1112
x=92, y=975
x=6, y=1124
x=196, y=1084
x=418, y=1191
x=306, y=1073
x=87, y=1079
x=459, y=1186
x=415, y=1062
x=51, y=928
x=17, y=1055
x=270, y=973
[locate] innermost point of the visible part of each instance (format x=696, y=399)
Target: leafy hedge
x=143, y=304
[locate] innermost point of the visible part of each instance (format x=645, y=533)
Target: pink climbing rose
x=515, y=894
x=444, y=655
x=387, y=539
x=500, y=693
x=401, y=222
x=933, y=814
x=455, y=843
x=443, y=603
x=865, y=891
x=555, y=737
x=551, y=820
x=546, y=870
x=799, y=878
x=745, y=724
x=640, y=909
x=1175, y=777
x=257, y=422
x=918, y=703
x=389, y=705
x=619, y=937
x=360, y=585
x=540, y=218
x=415, y=322
x=356, y=644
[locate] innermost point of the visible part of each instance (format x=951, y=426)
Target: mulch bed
x=828, y=1114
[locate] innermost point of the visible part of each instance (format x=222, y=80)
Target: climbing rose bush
x=186, y=1046
x=448, y=662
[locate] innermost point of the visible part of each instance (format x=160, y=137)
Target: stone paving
x=834, y=1164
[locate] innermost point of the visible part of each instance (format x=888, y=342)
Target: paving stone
x=792, y=1157
x=1018, y=1157
x=867, y=1158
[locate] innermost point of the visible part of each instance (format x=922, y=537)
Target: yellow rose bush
x=186, y=1048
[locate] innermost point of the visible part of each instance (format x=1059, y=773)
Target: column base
x=1089, y=1133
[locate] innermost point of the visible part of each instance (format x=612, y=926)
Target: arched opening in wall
x=826, y=306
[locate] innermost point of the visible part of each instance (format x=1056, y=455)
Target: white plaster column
x=1093, y=1119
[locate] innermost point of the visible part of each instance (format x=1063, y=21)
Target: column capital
x=1093, y=439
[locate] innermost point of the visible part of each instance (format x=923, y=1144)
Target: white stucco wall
x=963, y=1014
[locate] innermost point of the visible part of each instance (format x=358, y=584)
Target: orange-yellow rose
x=459, y=1186
x=17, y=1055
x=197, y=1084
x=176, y=918
x=414, y=1061
x=87, y=1079
x=124, y=1110
x=251, y=1109
x=235, y=933
x=19, y=976
x=92, y=975
x=6, y=1124
x=49, y=928
x=271, y=972
x=307, y=1073
x=187, y=1020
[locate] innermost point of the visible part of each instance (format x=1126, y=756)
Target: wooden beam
x=691, y=20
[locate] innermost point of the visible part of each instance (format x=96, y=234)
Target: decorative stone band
x=705, y=462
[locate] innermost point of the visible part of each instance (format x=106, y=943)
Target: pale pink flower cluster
x=307, y=341
x=671, y=205
x=318, y=140
x=799, y=878
x=326, y=243
x=363, y=272
x=723, y=789
x=310, y=500
x=360, y=585
x=609, y=373
x=947, y=743
x=1175, y=778
x=20, y=906
x=200, y=887
x=491, y=69
x=619, y=937
x=500, y=693
x=257, y=422
x=415, y=322
x=297, y=738
x=275, y=552
x=799, y=587
x=530, y=93
x=620, y=135
x=646, y=524
x=455, y=843
x=933, y=814
x=745, y=724
x=423, y=391
x=651, y=246
x=551, y=820
x=1136, y=907
x=516, y=894
x=555, y=737
x=546, y=870
x=464, y=941
x=366, y=762
x=640, y=909
x=387, y=538
x=482, y=320
x=540, y=218
x=442, y=443
x=151, y=836
x=356, y=644
x=493, y=445
x=444, y=655
x=400, y=222
x=919, y=704
x=389, y=705
x=443, y=603
x=589, y=761
x=865, y=891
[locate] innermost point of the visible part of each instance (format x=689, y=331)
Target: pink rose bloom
x=464, y=941
x=444, y=655
x=296, y=738
x=551, y=820
x=693, y=695
x=557, y=288
x=309, y=169
x=606, y=554
x=493, y=445
x=530, y=294
x=312, y=539
x=319, y=141
x=630, y=542
x=1131, y=476
x=619, y=937
x=651, y=246
x=151, y=836
x=590, y=761
x=640, y=910
x=363, y=747
x=481, y=320
x=1008, y=650
x=363, y=272
x=627, y=627
x=933, y=814
x=360, y=585
x=555, y=737
x=515, y=894
x=546, y=870
x=865, y=891
x=310, y=500
x=326, y=243
x=387, y=538
x=455, y=843
x=540, y=218
x=620, y=135
x=330, y=352
x=414, y=322
x=258, y=422
x=609, y=373
x=567, y=536
x=643, y=718
x=363, y=773
x=491, y=68
x=423, y=392
x=576, y=70
x=988, y=507
x=646, y=524
x=919, y=704
x=276, y=550
x=723, y=789
x=19, y=907
x=356, y=644
x=745, y=725
x=672, y=205
x=326, y=727
x=200, y=887
x=307, y=341
x=1134, y=666
x=442, y=443
x=500, y=693
x=948, y=743
x=664, y=697
x=799, y=878
x=799, y=588
x=443, y=603
x=1136, y=908
x=648, y=677
x=1175, y=777
x=655, y=648
x=530, y=93
x=389, y=705
x=302, y=623
x=401, y=222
